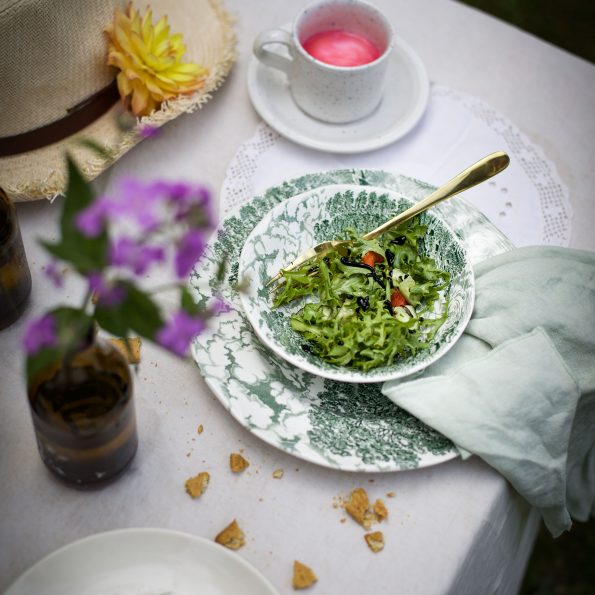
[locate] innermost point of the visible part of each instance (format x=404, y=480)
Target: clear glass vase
x=83, y=415
x=15, y=277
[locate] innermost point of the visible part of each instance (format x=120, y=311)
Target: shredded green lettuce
x=352, y=323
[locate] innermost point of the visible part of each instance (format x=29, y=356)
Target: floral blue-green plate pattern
x=302, y=221
x=352, y=427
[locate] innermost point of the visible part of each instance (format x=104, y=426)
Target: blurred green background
x=566, y=565
x=562, y=566
x=569, y=24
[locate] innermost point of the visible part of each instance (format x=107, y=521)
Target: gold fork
x=475, y=174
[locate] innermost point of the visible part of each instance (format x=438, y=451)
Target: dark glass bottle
x=83, y=415
x=15, y=277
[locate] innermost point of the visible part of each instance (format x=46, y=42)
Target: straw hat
x=53, y=58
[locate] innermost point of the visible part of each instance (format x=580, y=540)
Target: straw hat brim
x=210, y=41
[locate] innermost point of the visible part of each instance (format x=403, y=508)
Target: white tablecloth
x=454, y=528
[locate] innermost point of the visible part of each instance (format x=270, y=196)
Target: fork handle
x=475, y=174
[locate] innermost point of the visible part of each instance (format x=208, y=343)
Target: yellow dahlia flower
x=150, y=61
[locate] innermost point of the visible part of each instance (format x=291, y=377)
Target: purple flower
x=176, y=191
x=40, y=333
x=108, y=294
x=128, y=253
x=142, y=203
x=53, y=274
x=190, y=249
x=195, y=206
x=91, y=221
x=148, y=131
x=136, y=201
x=177, y=334
x=187, y=199
x=220, y=307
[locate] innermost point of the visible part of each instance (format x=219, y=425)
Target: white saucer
x=147, y=561
x=404, y=102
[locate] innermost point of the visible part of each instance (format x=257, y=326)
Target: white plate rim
x=146, y=532
x=391, y=134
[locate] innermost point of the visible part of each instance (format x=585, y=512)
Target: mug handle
x=271, y=58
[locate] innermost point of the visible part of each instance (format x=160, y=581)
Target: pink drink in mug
x=341, y=48
x=335, y=58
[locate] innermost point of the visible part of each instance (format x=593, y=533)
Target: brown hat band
x=77, y=118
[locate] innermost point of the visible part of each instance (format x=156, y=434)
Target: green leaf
x=143, y=314
x=126, y=121
x=221, y=271
x=297, y=284
x=73, y=327
x=79, y=195
x=43, y=359
x=187, y=302
x=84, y=253
x=137, y=314
x=98, y=149
x=114, y=320
x=84, y=257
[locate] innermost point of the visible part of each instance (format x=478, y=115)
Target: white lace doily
x=527, y=202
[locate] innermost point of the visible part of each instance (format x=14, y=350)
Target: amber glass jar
x=15, y=277
x=83, y=415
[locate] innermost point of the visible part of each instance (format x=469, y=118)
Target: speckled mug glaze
x=336, y=94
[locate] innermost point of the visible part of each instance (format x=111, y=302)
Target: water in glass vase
x=83, y=415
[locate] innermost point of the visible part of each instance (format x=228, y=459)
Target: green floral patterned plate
x=324, y=213
x=352, y=427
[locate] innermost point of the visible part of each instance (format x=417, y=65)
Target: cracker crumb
x=196, y=486
x=129, y=348
x=303, y=576
x=231, y=537
x=375, y=541
x=380, y=510
x=237, y=463
x=200, y=429
x=358, y=507
x=342, y=520
x=278, y=473
x=338, y=501
x=390, y=495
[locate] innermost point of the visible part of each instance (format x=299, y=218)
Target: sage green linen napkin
x=518, y=388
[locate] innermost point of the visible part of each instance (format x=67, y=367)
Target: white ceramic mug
x=330, y=93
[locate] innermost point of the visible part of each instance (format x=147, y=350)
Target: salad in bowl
x=371, y=311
